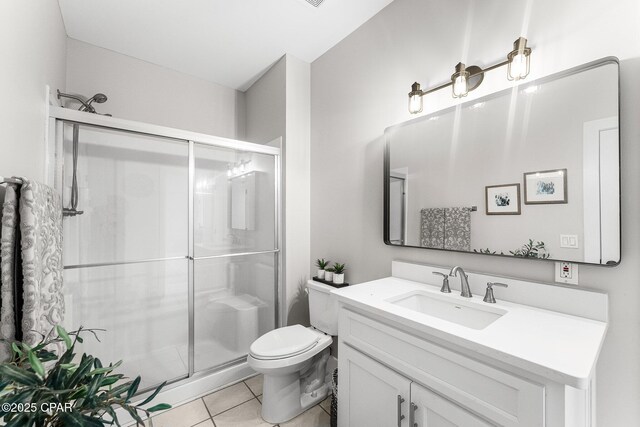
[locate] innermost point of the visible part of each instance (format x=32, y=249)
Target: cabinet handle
x=412, y=415
x=400, y=416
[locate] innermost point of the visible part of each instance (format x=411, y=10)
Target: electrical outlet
x=567, y=272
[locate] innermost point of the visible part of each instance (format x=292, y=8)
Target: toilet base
x=287, y=396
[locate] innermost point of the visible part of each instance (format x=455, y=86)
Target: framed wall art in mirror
x=545, y=187
x=502, y=199
x=556, y=139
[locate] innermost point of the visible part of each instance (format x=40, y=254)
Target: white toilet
x=293, y=359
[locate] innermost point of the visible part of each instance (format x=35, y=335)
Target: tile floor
x=236, y=406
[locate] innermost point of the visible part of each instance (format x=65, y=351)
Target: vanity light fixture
x=465, y=79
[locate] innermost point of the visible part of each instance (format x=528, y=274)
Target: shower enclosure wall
x=176, y=253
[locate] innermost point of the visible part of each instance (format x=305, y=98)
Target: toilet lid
x=283, y=342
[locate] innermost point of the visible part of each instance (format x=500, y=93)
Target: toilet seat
x=284, y=342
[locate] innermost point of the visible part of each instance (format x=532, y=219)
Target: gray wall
x=149, y=93
x=359, y=88
x=278, y=106
x=266, y=105
x=32, y=45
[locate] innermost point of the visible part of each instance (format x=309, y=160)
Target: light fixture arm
x=493, y=67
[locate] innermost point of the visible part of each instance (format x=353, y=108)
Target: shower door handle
x=400, y=416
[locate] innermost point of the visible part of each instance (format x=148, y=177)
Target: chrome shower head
x=85, y=104
x=98, y=98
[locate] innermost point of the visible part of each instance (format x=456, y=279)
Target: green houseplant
x=338, y=273
x=321, y=264
x=528, y=250
x=68, y=392
x=532, y=250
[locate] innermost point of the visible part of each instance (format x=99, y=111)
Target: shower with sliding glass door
x=176, y=253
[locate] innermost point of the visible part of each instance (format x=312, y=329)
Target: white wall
x=278, y=106
x=32, y=45
x=360, y=86
x=145, y=92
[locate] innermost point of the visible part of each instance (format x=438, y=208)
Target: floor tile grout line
x=321, y=407
x=208, y=411
x=245, y=383
x=206, y=407
x=251, y=391
x=185, y=404
x=233, y=407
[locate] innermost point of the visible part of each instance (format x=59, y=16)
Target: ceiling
x=230, y=42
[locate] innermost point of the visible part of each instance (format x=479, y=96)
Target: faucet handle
x=445, y=282
x=488, y=296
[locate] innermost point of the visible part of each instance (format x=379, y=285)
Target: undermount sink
x=462, y=313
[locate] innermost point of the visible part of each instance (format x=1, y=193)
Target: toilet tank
x=323, y=307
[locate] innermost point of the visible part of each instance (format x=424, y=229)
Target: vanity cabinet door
x=431, y=410
x=371, y=395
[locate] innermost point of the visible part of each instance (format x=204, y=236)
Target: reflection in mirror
x=234, y=201
x=540, y=161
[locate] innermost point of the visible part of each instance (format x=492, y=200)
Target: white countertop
x=560, y=347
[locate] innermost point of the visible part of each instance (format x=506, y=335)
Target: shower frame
x=54, y=170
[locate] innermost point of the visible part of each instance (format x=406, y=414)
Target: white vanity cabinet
x=378, y=363
x=427, y=409
x=378, y=396
x=406, y=366
x=372, y=394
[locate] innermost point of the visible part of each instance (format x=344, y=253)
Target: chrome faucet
x=464, y=282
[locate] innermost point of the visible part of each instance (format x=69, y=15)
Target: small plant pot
x=328, y=275
x=320, y=274
x=338, y=279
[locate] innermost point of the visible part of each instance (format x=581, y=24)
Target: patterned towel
x=10, y=272
x=457, y=229
x=41, y=234
x=432, y=228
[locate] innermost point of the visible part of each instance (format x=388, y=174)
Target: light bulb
x=518, y=69
x=415, y=104
x=519, y=59
x=460, y=87
x=415, y=99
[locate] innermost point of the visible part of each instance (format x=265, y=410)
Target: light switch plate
x=567, y=272
x=569, y=241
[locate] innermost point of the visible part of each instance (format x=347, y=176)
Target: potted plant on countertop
x=328, y=274
x=338, y=273
x=321, y=264
x=41, y=388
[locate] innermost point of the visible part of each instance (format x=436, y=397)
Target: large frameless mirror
x=532, y=171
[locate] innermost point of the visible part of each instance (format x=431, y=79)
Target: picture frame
x=502, y=199
x=546, y=187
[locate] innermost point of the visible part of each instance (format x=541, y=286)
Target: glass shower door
x=126, y=256
x=235, y=252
